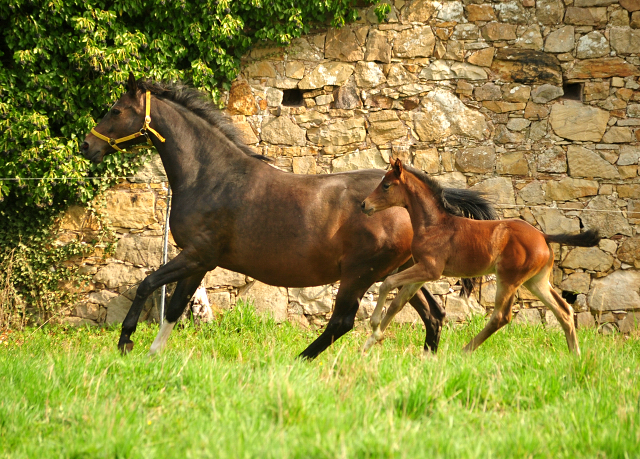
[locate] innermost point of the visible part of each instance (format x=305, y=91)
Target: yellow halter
x=142, y=132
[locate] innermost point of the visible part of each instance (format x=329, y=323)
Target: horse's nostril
x=363, y=205
x=84, y=146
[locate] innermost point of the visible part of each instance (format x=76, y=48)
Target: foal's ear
x=397, y=167
x=132, y=86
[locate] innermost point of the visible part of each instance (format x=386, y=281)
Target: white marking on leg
x=161, y=338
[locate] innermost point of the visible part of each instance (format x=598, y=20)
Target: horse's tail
x=587, y=239
x=470, y=204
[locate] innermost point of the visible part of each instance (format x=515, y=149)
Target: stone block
x=561, y=40
x=592, y=45
x=480, y=13
x=341, y=132
x=498, y=31
x=221, y=277
x=280, y=130
x=630, y=323
x=513, y=164
x=312, y=300
x=585, y=320
x=575, y=121
x=115, y=275
x=577, y=283
x=378, y=47
x=241, y=100
x=549, y=12
x=365, y=159
x=604, y=67
x=629, y=251
x=568, y=188
x=267, y=300
x=586, y=16
x=482, y=58
x=552, y=160
x=527, y=66
x=499, y=188
x=546, y=93
x=385, y=127
x=625, y=40
x=327, y=74
x=619, y=291
x=514, y=92
x=369, y=75
x=553, y=221
x=605, y=215
x=126, y=209
x=416, y=42
x=427, y=160
x=479, y=159
x=590, y=258
x=341, y=44
x=587, y=163
x=444, y=114
x=528, y=317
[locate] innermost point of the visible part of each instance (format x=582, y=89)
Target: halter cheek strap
x=142, y=132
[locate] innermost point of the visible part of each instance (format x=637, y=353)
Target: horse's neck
x=191, y=145
x=423, y=207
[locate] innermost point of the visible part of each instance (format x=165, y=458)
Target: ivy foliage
x=63, y=64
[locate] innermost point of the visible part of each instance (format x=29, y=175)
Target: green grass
x=234, y=389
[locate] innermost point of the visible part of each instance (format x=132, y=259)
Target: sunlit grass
x=235, y=389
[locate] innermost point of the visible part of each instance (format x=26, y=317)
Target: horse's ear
x=132, y=86
x=397, y=167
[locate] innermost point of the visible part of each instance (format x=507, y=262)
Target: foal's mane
x=475, y=205
x=199, y=104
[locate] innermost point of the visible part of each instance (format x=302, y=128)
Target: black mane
x=201, y=105
x=456, y=201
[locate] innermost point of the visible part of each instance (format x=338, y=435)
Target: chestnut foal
x=445, y=244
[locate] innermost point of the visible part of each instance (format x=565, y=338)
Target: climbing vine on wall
x=63, y=63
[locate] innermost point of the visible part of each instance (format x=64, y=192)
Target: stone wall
x=535, y=102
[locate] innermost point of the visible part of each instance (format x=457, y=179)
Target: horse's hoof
x=125, y=348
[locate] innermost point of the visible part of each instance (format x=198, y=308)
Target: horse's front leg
x=181, y=267
x=411, y=276
x=179, y=300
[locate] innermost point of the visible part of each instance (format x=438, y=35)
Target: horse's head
x=388, y=193
x=126, y=117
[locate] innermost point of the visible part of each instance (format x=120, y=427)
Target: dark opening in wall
x=571, y=297
x=573, y=91
x=292, y=98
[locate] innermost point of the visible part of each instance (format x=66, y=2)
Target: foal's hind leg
x=540, y=287
x=405, y=294
x=179, y=300
x=501, y=316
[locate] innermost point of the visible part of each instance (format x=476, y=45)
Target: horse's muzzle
x=363, y=206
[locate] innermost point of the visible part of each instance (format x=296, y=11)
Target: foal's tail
x=587, y=239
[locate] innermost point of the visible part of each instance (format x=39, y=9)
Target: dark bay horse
x=232, y=209
x=446, y=244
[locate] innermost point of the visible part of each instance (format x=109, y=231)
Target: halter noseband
x=142, y=132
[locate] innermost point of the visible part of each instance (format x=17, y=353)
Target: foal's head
x=126, y=117
x=389, y=193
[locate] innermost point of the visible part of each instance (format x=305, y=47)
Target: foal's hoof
x=125, y=348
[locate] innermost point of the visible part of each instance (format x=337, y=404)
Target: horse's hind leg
x=540, y=287
x=179, y=300
x=501, y=316
x=343, y=317
x=177, y=269
x=433, y=317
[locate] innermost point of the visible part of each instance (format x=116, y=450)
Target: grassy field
x=234, y=389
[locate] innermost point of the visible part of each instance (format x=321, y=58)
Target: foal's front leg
x=412, y=278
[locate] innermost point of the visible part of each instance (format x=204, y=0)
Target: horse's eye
x=115, y=111
x=386, y=186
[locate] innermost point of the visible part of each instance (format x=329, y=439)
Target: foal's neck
x=424, y=208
